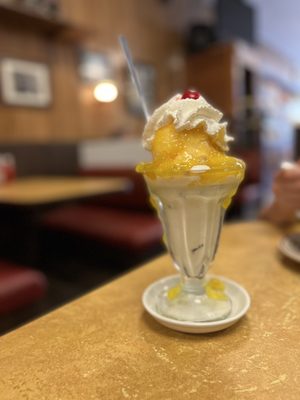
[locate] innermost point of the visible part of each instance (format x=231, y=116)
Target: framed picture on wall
x=24, y=83
x=147, y=76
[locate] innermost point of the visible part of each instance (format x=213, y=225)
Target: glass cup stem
x=192, y=285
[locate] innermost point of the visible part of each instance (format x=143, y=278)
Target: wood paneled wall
x=74, y=114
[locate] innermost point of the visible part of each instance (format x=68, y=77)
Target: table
x=36, y=191
x=104, y=345
x=23, y=200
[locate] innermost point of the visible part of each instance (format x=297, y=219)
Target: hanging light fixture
x=106, y=91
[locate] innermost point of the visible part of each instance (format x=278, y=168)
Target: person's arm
x=286, y=203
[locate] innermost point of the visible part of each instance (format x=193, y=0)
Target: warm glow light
x=106, y=91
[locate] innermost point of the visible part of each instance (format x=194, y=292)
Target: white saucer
x=289, y=249
x=239, y=297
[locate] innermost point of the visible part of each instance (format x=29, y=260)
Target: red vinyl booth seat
x=116, y=227
x=19, y=286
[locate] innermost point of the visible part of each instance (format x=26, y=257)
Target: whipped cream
x=187, y=114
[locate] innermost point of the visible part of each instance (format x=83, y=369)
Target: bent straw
x=133, y=74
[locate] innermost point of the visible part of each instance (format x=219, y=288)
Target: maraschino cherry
x=191, y=94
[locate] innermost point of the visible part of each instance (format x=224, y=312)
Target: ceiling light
x=106, y=91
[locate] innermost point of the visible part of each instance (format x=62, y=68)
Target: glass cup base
x=192, y=307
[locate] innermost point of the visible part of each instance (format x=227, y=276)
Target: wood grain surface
x=43, y=190
x=104, y=345
x=74, y=114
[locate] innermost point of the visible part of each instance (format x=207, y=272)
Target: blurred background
x=68, y=109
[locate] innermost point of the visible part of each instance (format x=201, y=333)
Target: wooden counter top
x=46, y=189
x=104, y=346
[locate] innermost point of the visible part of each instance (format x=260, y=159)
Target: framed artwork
x=94, y=67
x=147, y=76
x=25, y=83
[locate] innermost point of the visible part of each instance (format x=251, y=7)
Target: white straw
x=133, y=74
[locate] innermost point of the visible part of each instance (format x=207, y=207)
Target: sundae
x=191, y=181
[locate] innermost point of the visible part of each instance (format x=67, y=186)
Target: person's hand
x=286, y=189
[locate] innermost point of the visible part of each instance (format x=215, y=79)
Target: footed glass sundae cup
x=192, y=217
x=191, y=180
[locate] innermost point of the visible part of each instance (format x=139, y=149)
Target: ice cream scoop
x=186, y=137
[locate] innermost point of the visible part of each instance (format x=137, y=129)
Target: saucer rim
x=227, y=321
x=292, y=255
